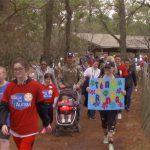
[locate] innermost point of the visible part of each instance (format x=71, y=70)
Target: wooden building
x=106, y=43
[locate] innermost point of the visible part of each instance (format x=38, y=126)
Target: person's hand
x=135, y=89
x=88, y=89
x=5, y=130
x=62, y=86
x=76, y=87
x=123, y=92
x=88, y=76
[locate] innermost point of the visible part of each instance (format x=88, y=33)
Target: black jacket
x=131, y=79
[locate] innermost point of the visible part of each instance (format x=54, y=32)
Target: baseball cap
x=109, y=65
x=70, y=55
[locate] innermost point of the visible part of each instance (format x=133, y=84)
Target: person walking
x=41, y=70
x=130, y=83
x=50, y=93
x=71, y=77
x=23, y=99
x=4, y=139
x=122, y=72
x=91, y=72
x=108, y=117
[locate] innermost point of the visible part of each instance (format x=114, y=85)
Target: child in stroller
x=67, y=111
x=65, y=107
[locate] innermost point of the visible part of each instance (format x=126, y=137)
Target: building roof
x=107, y=41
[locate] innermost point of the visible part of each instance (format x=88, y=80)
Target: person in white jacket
x=92, y=72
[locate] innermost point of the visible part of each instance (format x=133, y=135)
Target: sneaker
x=105, y=141
x=111, y=146
x=119, y=116
x=63, y=120
x=69, y=120
x=43, y=131
x=114, y=131
x=127, y=109
x=49, y=128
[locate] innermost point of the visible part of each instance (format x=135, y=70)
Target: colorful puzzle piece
x=92, y=83
x=112, y=95
x=113, y=84
x=92, y=99
x=99, y=91
x=105, y=93
x=102, y=99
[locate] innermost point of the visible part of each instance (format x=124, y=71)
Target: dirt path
x=129, y=136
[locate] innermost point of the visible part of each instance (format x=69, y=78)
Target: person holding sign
x=108, y=117
x=106, y=94
x=91, y=72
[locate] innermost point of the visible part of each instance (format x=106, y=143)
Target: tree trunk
x=4, y=5
x=122, y=27
x=90, y=11
x=48, y=30
x=1, y=6
x=68, y=25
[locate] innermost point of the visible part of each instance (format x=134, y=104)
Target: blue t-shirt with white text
x=2, y=90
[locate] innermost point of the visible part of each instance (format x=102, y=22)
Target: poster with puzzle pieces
x=105, y=94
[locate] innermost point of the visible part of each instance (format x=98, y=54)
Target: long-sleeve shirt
x=131, y=79
x=39, y=74
x=92, y=72
x=70, y=75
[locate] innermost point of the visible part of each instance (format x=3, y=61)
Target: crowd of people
x=35, y=92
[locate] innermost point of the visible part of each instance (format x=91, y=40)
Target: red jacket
x=123, y=70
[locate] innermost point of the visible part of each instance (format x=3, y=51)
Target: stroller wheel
x=65, y=128
x=56, y=132
x=77, y=127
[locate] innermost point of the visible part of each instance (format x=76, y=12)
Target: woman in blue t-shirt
x=4, y=139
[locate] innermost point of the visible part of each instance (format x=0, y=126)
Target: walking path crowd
x=35, y=92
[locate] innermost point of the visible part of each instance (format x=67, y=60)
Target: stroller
x=68, y=111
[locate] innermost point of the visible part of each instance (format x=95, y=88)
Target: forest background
x=31, y=28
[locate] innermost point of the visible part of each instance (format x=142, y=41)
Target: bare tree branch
x=14, y=4
x=106, y=26
x=16, y=10
x=147, y=4
x=14, y=13
x=134, y=11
